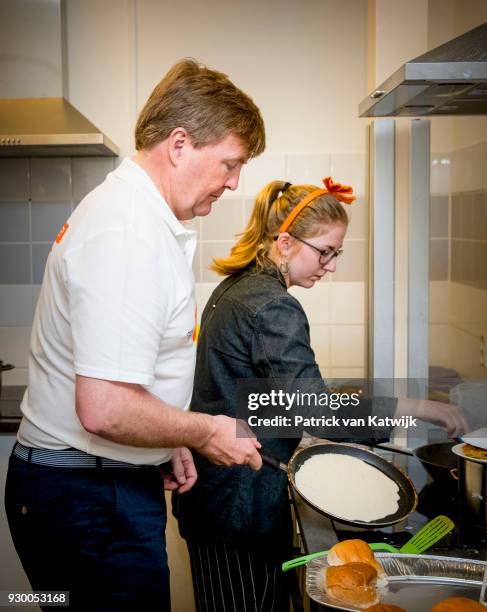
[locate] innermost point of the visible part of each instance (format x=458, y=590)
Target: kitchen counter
x=10, y=414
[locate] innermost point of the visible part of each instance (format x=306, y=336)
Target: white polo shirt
x=117, y=303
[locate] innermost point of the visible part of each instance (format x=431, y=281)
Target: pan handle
x=394, y=448
x=273, y=462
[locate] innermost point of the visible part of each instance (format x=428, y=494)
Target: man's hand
x=231, y=442
x=449, y=417
x=183, y=475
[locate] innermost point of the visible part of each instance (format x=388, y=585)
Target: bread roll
x=352, y=583
x=361, y=597
x=356, y=551
x=385, y=608
x=351, y=575
x=458, y=604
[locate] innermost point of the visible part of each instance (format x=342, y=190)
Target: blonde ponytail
x=255, y=240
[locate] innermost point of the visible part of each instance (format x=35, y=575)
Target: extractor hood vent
x=448, y=80
x=36, y=120
x=49, y=127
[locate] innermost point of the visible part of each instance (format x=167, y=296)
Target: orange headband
x=342, y=193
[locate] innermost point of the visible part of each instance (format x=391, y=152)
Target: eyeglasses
x=326, y=255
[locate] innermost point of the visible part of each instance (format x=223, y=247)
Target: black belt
x=66, y=458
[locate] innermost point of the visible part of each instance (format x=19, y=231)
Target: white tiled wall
x=265, y=168
x=458, y=304
x=304, y=169
x=336, y=314
x=14, y=343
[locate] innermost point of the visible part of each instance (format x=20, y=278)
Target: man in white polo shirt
x=112, y=356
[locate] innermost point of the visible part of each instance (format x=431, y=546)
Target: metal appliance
x=448, y=80
x=36, y=119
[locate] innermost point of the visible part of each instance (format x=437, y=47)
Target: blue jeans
x=97, y=533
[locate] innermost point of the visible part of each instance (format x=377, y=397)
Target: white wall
x=30, y=49
x=302, y=62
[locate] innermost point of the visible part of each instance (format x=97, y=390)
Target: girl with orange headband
x=283, y=216
x=237, y=521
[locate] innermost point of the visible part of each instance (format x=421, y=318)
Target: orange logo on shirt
x=196, y=330
x=62, y=231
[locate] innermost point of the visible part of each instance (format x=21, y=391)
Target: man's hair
x=205, y=103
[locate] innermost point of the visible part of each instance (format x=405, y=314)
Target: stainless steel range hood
x=36, y=120
x=49, y=127
x=448, y=80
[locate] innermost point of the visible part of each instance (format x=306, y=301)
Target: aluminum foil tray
x=416, y=582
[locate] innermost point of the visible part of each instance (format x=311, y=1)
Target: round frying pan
x=437, y=459
x=408, y=498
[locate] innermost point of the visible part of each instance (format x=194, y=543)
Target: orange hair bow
x=342, y=193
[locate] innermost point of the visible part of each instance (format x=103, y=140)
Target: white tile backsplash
x=320, y=343
x=440, y=173
x=47, y=219
x=347, y=346
x=349, y=169
x=15, y=264
x=304, y=169
x=225, y=221
x=210, y=250
x=14, y=345
x=358, y=212
x=439, y=302
x=203, y=292
x=16, y=305
x=36, y=289
x=14, y=180
x=468, y=168
x=464, y=354
x=50, y=179
x=351, y=265
x=88, y=173
x=17, y=376
x=347, y=303
x=439, y=345
x=262, y=170
x=341, y=373
x=14, y=221
x=315, y=301
x=40, y=253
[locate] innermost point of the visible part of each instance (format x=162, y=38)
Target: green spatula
x=428, y=535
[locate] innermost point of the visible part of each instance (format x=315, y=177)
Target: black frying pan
x=437, y=459
x=408, y=498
